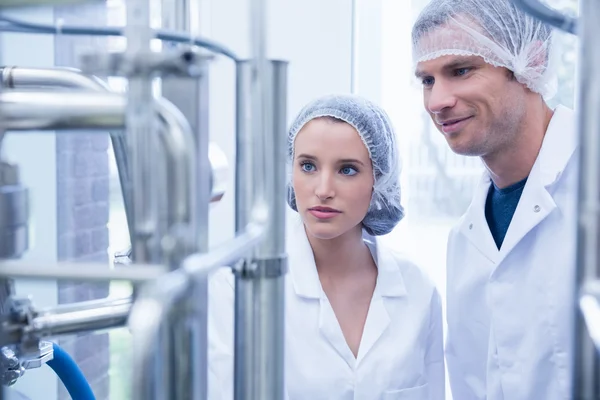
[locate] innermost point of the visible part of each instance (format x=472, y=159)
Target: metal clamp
x=44, y=353
x=13, y=367
x=187, y=62
x=262, y=268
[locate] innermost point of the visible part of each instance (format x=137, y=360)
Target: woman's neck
x=342, y=255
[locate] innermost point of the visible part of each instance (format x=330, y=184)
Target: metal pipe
x=189, y=330
x=154, y=303
x=104, y=316
x=586, y=374
x=245, y=177
x=84, y=305
x=45, y=3
x=70, y=78
x=83, y=272
x=140, y=132
x=271, y=262
x=14, y=77
x=259, y=302
x=33, y=111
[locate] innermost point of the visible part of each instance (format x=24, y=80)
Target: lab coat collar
x=303, y=269
x=560, y=142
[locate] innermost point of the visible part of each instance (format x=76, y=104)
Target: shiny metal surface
x=586, y=377
x=44, y=3
x=43, y=111
x=13, y=77
x=141, y=130
x=156, y=301
x=260, y=290
x=191, y=96
x=245, y=178
x=63, y=322
x=80, y=271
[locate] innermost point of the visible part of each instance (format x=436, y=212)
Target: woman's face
x=332, y=178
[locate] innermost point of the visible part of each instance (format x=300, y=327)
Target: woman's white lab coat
x=510, y=312
x=400, y=354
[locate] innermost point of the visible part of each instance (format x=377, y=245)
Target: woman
x=361, y=322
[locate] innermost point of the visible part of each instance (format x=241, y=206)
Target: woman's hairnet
x=375, y=130
x=496, y=30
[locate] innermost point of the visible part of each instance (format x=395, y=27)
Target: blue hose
x=70, y=375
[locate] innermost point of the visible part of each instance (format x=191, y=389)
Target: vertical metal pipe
x=189, y=328
x=269, y=284
x=260, y=293
x=141, y=137
x=140, y=124
x=245, y=177
x=586, y=375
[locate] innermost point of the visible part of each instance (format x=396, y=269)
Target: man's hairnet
x=496, y=30
x=376, y=132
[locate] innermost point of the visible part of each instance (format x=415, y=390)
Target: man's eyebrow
x=420, y=74
x=451, y=65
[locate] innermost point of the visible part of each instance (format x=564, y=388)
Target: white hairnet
x=496, y=30
x=376, y=132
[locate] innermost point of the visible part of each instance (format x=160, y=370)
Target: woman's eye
x=348, y=171
x=307, y=167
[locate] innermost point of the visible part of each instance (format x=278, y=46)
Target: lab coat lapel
x=331, y=330
x=474, y=224
x=536, y=203
x=389, y=291
x=305, y=279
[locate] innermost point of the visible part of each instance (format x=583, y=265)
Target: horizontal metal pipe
x=84, y=305
x=226, y=254
x=154, y=303
x=136, y=273
x=64, y=111
x=106, y=316
x=73, y=79
x=13, y=77
x=31, y=111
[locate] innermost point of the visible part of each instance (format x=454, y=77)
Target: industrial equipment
x=169, y=174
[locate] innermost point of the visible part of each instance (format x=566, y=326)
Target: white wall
x=314, y=36
x=35, y=153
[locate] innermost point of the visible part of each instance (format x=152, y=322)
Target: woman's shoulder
x=416, y=279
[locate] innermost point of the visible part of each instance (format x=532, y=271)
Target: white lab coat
x=401, y=351
x=510, y=312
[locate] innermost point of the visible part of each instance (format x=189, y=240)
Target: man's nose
x=440, y=97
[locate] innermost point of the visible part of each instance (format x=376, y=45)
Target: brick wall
x=83, y=206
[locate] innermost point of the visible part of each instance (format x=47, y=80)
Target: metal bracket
x=262, y=268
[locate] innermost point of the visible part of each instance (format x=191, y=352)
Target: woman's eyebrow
x=351, y=160
x=307, y=156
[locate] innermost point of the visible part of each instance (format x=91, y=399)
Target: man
x=485, y=67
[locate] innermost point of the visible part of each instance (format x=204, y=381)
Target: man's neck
x=514, y=163
x=340, y=256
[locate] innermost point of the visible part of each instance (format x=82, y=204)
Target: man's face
x=478, y=108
